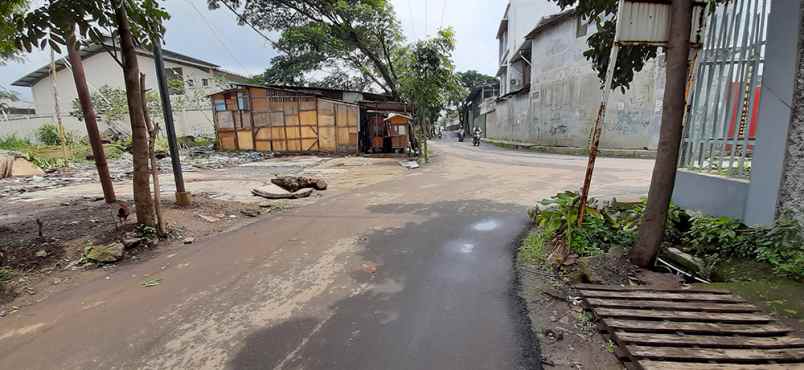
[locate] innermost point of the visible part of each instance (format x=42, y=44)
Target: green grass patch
x=12, y=142
x=781, y=296
x=532, y=249
x=46, y=156
x=6, y=274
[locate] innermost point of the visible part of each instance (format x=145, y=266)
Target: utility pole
x=651, y=232
x=89, y=116
x=183, y=198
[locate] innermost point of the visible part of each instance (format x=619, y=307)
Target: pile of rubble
x=121, y=168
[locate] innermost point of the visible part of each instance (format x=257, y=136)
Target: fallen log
x=296, y=183
x=273, y=192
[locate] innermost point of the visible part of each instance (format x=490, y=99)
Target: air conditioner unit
x=514, y=82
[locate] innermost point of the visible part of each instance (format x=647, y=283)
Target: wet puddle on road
x=486, y=225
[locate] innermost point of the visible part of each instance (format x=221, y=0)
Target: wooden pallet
x=691, y=329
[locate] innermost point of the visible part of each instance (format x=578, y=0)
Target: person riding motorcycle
x=476, y=136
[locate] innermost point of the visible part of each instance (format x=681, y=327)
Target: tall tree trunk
x=651, y=232
x=153, y=131
x=89, y=116
x=139, y=131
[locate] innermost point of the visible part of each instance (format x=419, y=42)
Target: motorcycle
x=476, y=139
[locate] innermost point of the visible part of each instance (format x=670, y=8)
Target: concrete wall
x=791, y=196
x=194, y=122
x=777, y=153
x=565, y=95
x=101, y=69
x=777, y=166
x=711, y=194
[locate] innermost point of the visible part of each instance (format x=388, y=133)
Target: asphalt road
x=412, y=273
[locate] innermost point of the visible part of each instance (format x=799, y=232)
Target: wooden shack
x=284, y=120
x=399, y=127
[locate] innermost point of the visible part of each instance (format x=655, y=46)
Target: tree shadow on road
x=437, y=294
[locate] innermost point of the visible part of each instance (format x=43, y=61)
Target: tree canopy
x=8, y=10
x=361, y=36
x=428, y=79
x=471, y=79
x=50, y=23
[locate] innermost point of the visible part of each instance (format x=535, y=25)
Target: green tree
x=111, y=106
x=9, y=9
x=362, y=35
x=5, y=97
x=135, y=22
x=472, y=79
x=429, y=80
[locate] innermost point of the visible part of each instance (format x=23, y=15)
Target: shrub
x=602, y=228
x=12, y=142
x=723, y=236
x=780, y=245
x=48, y=134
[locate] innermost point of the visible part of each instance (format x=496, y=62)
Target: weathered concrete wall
x=791, y=194
x=710, y=194
x=565, y=96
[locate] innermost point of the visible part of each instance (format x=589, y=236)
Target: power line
x=426, y=26
x=216, y=34
x=412, y=20
x=443, y=10
x=244, y=20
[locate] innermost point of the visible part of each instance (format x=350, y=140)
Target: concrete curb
x=567, y=150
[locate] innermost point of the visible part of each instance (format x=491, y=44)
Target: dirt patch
x=567, y=335
x=31, y=264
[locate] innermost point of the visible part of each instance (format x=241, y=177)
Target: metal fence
x=721, y=122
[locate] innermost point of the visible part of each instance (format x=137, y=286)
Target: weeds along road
x=411, y=273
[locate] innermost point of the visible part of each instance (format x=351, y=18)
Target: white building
x=519, y=18
x=199, y=78
x=191, y=81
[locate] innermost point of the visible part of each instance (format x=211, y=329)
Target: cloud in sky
x=216, y=37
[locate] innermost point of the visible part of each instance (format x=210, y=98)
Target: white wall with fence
x=739, y=111
x=188, y=123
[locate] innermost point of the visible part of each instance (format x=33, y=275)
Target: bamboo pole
x=56, y=109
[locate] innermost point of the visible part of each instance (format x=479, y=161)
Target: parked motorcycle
x=476, y=139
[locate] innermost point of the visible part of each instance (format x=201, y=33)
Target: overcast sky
x=214, y=36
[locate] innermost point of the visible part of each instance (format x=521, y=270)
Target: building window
x=204, y=82
x=242, y=101
x=190, y=83
x=220, y=105
x=581, y=27
x=175, y=77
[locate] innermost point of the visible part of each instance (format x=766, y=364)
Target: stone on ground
x=105, y=253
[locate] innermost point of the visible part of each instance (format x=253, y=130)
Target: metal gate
x=721, y=122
